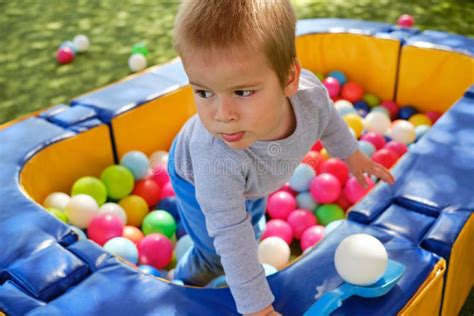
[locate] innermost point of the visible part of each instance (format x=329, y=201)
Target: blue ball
x=169, y=204
x=69, y=44
x=362, y=108
x=137, y=162
x=387, y=138
x=122, y=247
x=339, y=75
x=182, y=246
x=150, y=270
x=421, y=130
x=366, y=147
x=306, y=201
x=301, y=178
x=406, y=111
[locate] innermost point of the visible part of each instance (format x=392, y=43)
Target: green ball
x=140, y=48
x=159, y=222
x=118, y=180
x=372, y=100
x=320, y=76
x=327, y=213
x=90, y=186
x=58, y=214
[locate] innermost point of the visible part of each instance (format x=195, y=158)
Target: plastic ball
x=132, y=233
x=300, y=220
x=345, y=110
x=317, y=146
x=136, y=209
x=81, y=209
x=301, y=178
x=269, y=270
x=118, y=180
x=114, y=209
x=398, y=148
x=354, y=191
x=82, y=42
x=274, y=251
x=140, y=48
x=406, y=20
x=182, y=246
x=385, y=157
x=403, y=132
x=160, y=174
x=280, y=205
x=337, y=168
x=137, y=62
x=371, y=100
x=137, y=162
x=313, y=159
x=57, y=200
x=69, y=44
x=150, y=270
x=90, y=186
x=361, y=259
x=122, y=247
x=159, y=222
x=149, y=190
x=433, y=116
x=325, y=188
x=375, y=139
x=104, y=227
x=305, y=201
x=392, y=108
x=287, y=188
x=339, y=75
x=155, y=250
x=343, y=202
x=278, y=228
x=333, y=86
x=366, y=147
x=421, y=130
x=167, y=191
x=80, y=233
x=354, y=121
x=159, y=157
x=328, y=213
x=377, y=122
x=352, y=91
x=64, y=55
x=169, y=204
x=57, y=213
x=406, y=112
x=420, y=119
x=362, y=108
x=311, y=237
x=332, y=226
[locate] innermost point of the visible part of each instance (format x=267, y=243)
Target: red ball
x=313, y=159
x=375, y=139
x=343, y=202
x=149, y=190
x=160, y=174
x=300, y=220
x=286, y=187
x=399, y=148
x=64, y=55
x=406, y=20
x=392, y=108
x=104, y=227
x=337, y=168
x=433, y=115
x=278, y=228
x=352, y=91
x=167, y=191
x=385, y=157
x=155, y=250
x=317, y=146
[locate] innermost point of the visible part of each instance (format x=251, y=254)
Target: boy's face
x=239, y=98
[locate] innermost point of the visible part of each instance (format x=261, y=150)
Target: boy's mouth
x=235, y=137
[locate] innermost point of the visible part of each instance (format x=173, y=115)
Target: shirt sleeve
x=220, y=185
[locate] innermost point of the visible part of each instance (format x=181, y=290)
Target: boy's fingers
x=361, y=179
x=384, y=174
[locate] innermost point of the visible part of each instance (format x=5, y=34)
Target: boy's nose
x=225, y=112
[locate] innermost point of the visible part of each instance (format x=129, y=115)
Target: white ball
x=361, y=259
x=274, y=251
x=377, y=122
x=344, y=107
x=403, y=132
x=82, y=42
x=81, y=209
x=57, y=200
x=137, y=62
x=114, y=209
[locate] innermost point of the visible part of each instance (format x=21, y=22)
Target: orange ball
x=149, y=190
x=132, y=233
x=352, y=91
x=314, y=159
x=136, y=209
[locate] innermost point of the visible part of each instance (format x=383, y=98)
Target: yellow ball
x=136, y=209
x=325, y=154
x=420, y=119
x=354, y=121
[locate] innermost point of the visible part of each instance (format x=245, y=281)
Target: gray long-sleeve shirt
x=224, y=178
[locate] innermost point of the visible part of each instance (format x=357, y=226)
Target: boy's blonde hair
x=267, y=26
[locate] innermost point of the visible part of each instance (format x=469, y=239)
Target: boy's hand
x=359, y=164
x=267, y=311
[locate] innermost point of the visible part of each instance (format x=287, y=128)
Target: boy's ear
x=293, y=80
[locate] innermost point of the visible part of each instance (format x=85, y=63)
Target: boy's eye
x=244, y=93
x=204, y=94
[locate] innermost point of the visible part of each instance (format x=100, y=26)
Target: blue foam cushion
x=13, y=301
x=72, y=116
x=53, y=111
x=443, y=40
x=85, y=125
x=173, y=70
x=310, y=26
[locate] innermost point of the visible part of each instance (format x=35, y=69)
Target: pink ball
x=375, y=139
x=325, y=188
x=104, y=227
x=337, y=168
x=392, y=108
x=155, y=250
x=300, y=220
x=352, y=91
x=385, y=157
x=333, y=86
x=167, y=191
x=280, y=205
x=64, y=55
x=399, y=148
x=160, y=174
x=406, y=20
x=311, y=236
x=278, y=228
x=433, y=116
x=354, y=191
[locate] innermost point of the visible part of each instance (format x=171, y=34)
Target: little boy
x=258, y=114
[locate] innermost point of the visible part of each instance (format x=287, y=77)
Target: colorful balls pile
x=67, y=51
